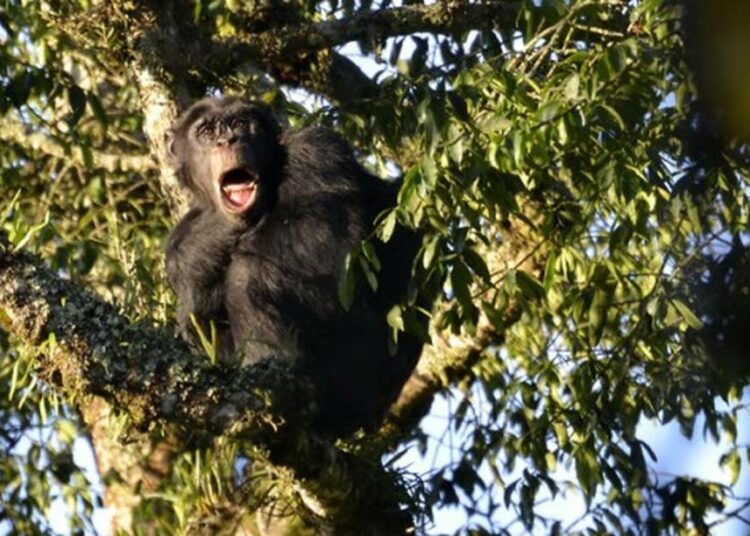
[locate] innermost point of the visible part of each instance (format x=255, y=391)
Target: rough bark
x=93, y=351
x=294, y=51
x=152, y=36
x=17, y=134
x=453, y=18
x=447, y=360
x=98, y=352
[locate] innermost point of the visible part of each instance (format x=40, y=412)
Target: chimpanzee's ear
x=169, y=146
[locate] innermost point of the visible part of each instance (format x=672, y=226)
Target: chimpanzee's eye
x=205, y=131
x=239, y=123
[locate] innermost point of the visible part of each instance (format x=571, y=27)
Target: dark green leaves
x=77, y=101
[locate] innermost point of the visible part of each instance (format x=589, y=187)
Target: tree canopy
x=579, y=176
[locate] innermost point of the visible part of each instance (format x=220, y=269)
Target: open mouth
x=239, y=189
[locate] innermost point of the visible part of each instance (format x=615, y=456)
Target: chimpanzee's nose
x=228, y=137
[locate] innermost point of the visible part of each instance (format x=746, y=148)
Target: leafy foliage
x=583, y=212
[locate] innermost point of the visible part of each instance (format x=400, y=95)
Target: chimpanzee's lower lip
x=239, y=197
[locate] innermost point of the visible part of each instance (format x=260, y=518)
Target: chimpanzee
x=273, y=217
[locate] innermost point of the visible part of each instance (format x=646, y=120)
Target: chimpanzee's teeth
x=235, y=187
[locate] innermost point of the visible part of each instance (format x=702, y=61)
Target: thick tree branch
x=98, y=352
x=170, y=52
x=452, y=18
x=13, y=133
x=446, y=361
x=154, y=34
x=450, y=357
x=289, y=52
x=302, y=54
x=88, y=348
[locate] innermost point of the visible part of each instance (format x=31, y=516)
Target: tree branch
x=450, y=357
x=302, y=54
x=446, y=361
x=16, y=134
x=98, y=352
x=154, y=34
x=88, y=348
x=452, y=18
x=289, y=52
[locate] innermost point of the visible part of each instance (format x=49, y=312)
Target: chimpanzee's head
x=227, y=153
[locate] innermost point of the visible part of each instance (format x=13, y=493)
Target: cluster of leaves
x=78, y=187
x=569, y=168
x=573, y=148
x=82, y=170
x=37, y=439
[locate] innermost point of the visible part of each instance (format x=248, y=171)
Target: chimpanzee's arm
x=197, y=253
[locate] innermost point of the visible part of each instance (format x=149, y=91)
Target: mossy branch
x=141, y=369
x=90, y=349
x=448, y=18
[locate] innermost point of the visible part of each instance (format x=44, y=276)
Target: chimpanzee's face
x=227, y=153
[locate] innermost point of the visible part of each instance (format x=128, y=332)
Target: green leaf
x=561, y=432
x=66, y=430
x=508, y=493
x=732, y=462
x=387, y=226
x=529, y=285
x=347, y=283
x=14, y=375
x=518, y=142
x=477, y=264
x=587, y=471
x=396, y=51
x=572, y=87
x=457, y=147
x=562, y=130
x=20, y=88
x=31, y=233
x=614, y=114
x=598, y=314
x=548, y=111
x=77, y=100
x=430, y=250
x=496, y=317
x=368, y=250
x=460, y=283
x=98, y=109
x=372, y=279
x=549, y=271
x=395, y=318
x=459, y=106
x=208, y=343
x=429, y=170
x=466, y=478
x=688, y=315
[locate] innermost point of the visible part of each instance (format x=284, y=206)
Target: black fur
x=267, y=277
